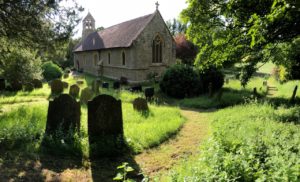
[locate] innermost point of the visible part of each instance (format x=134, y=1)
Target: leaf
x=119, y=177
x=129, y=169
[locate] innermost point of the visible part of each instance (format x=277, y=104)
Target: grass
x=251, y=142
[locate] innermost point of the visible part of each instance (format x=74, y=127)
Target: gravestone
x=255, y=94
x=16, y=86
x=65, y=84
x=66, y=75
x=105, y=85
x=294, y=94
x=227, y=80
x=86, y=95
x=136, y=88
x=123, y=80
x=116, y=85
x=149, y=93
x=28, y=87
x=104, y=117
x=74, y=90
x=95, y=87
x=265, y=83
x=2, y=84
x=57, y=87
x=37, y=83
x=64, y=114
x=140, y=104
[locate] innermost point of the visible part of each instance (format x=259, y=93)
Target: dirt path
x=186, y=143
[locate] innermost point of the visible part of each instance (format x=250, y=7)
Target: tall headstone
x=104, y=117
x=149, y=93
x=57, y=87
x=74, y=90
x=86, y=95
x=2, y=84
x=116, y=85
x=64, y=114
x=294, y=94
x=140, y=104
x=37, y=83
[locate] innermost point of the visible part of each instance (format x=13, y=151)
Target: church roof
x=117, y=36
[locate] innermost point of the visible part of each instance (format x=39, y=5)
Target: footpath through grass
x=249, y=142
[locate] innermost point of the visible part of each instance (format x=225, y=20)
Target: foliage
x=248, y=143
x=20, y=65
x=229, y=31
x=123, y=169
x=180, y=81
x=185, y=49
x=214, y=76
x=51, y=71
x=176, y=27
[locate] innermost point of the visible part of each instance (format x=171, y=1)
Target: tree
x=176, y=27
x=229, y=31
x=185, y=49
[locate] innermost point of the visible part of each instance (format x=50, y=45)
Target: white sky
x=111, y=12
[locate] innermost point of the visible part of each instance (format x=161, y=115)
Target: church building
x=132, y=49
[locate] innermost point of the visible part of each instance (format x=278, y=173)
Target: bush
x=180, y=81
x=51, y=71
x=213, y=76
x=20, y=66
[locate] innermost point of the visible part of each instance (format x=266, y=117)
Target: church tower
x=88, y=25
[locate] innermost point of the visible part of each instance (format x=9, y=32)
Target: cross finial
x=157, y=4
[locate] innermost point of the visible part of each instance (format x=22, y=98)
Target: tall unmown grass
x=253, y=142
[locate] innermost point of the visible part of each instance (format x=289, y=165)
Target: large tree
x=230, y=31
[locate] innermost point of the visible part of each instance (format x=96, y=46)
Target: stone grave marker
x=104, y=117
x=65, y=84
x=57, y=87
x=86, y=95
x=140, y=104
x=95, y=87
x=28, y=87
x=2, y=84
x=149, y=93
x=74, y=90
x=64, y=114
x=105, y=85
x=136, y=88
x=116, y=85
x=37, y=83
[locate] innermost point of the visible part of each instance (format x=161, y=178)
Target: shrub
x=51, y=71
x=20, y=66
x=213, y=76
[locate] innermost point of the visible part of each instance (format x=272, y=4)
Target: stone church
x=132, y=49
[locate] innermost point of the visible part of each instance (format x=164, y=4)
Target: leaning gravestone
x=86, y=95
x=140, y=104
x=95, y=87
x=28, y=87
x=105, y=126
x=57, y=87
x=37, y=83
x=63, y=114
x=74, y=90
x=2, y=84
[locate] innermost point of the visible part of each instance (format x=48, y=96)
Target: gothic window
x=108, y=58
x=95, y=59
x=123, y=58
x=157, y=49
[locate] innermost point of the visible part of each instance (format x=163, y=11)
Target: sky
x=111, y=12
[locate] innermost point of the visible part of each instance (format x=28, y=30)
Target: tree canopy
x=230, y=31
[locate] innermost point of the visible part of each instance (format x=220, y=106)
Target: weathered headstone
x=116, y=85
x=105, y=85
x=140, y=104
x=255, y=94
x=136, y=88
x=74, y=90
x=37, y=83
x=149, y=92
x=57, y=87
x=63, y=114
x=265, y=83
x=123, y=80
x=95, y=87
x=294, y=94
x=86, y=95
x=28, y=87
x=16, y=86
x=104, y=117
x=65, y=84
x=2, y=84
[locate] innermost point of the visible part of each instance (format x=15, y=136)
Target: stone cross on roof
x=157, y=4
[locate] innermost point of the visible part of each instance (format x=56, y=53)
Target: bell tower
x=88, y=25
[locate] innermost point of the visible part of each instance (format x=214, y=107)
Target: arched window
x=157, y=49
x=123, y=58
x=108, y=58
